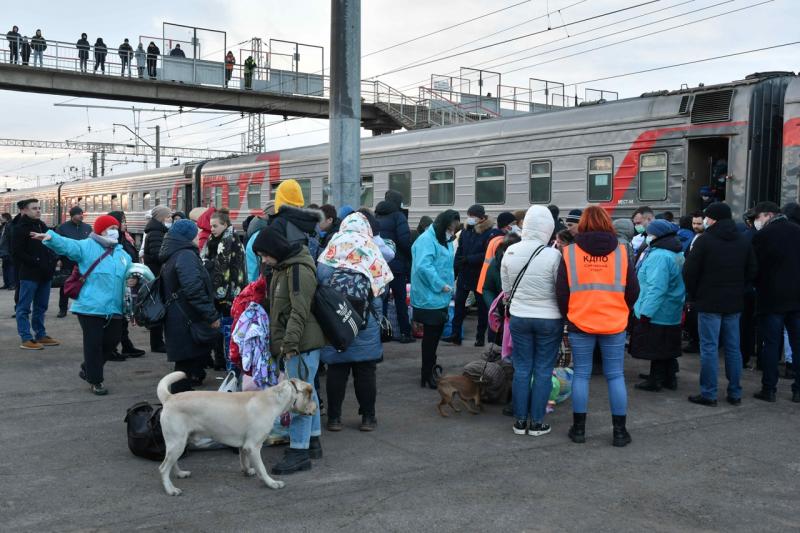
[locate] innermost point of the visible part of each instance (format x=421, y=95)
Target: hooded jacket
x=777, y=248
x=596, y=243
x=252, y=260
x=34, y=261
x=718, y=268
x=535, y=296
x=83, y=48
x=155, y=232
x=394, y=226
x=293, y=327
x=661, y=289
x=103, y=292
x=296, y=224
x=471, y=250
x=204, y=226
x=183, y=271
x=431, y=270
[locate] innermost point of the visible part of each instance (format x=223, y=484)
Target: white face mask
x=706, y=223
x=449, y=234
x=758, y=224
x=650, y=238
x=515, y=229
x=112, y=234
x=168, y=223
x=471, y=221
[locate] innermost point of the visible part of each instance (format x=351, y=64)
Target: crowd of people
x=595, y=284
x=20, y=50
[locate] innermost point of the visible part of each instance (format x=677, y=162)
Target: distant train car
x=742, y=138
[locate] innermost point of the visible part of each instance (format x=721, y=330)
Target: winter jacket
x=596, y=243
x=625, y=233
x=14, y=39
x=126, y=51
x=661, y=289
x=223, y=257
x=127, y=243
x=34, y=261
x=100, y=50
x=5, y=240
x=154, y=232
x=297, y=224
x=38, y=44
x=252, y=260
x=83, y=47
x=294, y=327
x=103, y=292
x=204, y=226
x=394, y=226
x=685, y=236
x=72, y=231
x=718, y=268
x=182, y=270
x=367, y=345
x=470, y=252
x=153, y=52
x=777, y=248
x=535, y=296
x=177, y=52
x=493, y=284
x=431, y=271
x=141, y=57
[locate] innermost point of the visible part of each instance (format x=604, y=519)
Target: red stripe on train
x=629, y=168
x=791, y=132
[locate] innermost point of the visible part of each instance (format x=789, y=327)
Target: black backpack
x=150, y=307
x=144, y=431
x=338, y=318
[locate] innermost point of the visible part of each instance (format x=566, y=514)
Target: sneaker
x=368, y=423
x=61, y=314
x=334, y=424
x=699, y=399
x=315, y=448
x=406, y=339
x=48, y=341
x=520, y=427
x=294, y=460
x=99, y=390
x=31, y=345
x=539, y=429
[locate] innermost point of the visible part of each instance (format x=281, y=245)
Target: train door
x=188, y=198
x=706, y=165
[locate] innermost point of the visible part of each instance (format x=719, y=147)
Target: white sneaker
x=537, y=430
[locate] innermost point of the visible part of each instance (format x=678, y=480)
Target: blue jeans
x=612, y=348
x=303, y=427
x=535, y=349
x=771, y=327
x=38, y=55
x=715, y=330
x=38, y=294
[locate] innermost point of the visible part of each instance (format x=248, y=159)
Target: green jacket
x=293, y=327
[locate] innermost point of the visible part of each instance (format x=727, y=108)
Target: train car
x=659, y=149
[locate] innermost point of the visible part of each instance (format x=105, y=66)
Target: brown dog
x=465, y=387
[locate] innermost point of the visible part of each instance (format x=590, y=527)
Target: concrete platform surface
x=65, y=465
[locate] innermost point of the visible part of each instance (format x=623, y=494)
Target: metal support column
x=158, y=146
x=345, y=103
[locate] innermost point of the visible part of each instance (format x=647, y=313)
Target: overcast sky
x=385, y=23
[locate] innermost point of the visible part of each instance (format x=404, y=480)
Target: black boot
x=427, y=380
x=294, y=460
x=315, y=448
x=577, y=433
x=621, y=435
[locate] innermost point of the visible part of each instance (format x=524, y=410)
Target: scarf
x=105, y=242
x=353, y=248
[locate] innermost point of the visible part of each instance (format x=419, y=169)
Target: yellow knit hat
x=289, y=193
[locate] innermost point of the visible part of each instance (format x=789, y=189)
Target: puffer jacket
x=535, y=296
x=103, y=292
x=297, y=224
x=394, y=226
x=661, y=289
x=183, y=271
x=431, y=270
x=293, y=327
x=367, y=345
x=34, y=261
x=154, y=231
x=470, y=252
x=223, y=257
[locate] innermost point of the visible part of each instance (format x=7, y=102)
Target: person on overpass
x=177, y=52
x=249, y=67
x=152, y=59
x=100, y=51
x=14, y=41
x=125, y=56
x=83, y=51
x=39, y=45
x=230, y=61
x=141, y=60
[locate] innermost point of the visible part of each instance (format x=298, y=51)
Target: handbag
x=144, y=431
x=519, y=278
x=74, y=283
x=201, y=332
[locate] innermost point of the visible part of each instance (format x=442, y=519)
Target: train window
x=600, y=178
x=109, y=202
x=441, y=187
x=367, y=191
x=490, y=185
x=216, y=196
x=134, y=205
x=168, y=196
x=541, y=181
x=179, y=204
x=653, y=176
x=305, y=186
x=156, y=198
x=123, y=201
x=233, y=197
x=146, y=201
x=401, y=182
x=254, y=195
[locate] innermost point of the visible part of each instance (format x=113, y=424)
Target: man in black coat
x=14, y=43
x=36, y=264
x=777, y=246
x=468, y=262
x=394, y=226
x=74, y=228
x=154, y=232
x=716, y=273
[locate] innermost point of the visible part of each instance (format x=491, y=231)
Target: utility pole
x=94, y=164
x=102, y=163
x=158, y=146
x=345, y=103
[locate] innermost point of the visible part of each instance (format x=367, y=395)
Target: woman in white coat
x=528, y=272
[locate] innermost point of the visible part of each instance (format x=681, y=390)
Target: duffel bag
x=144, y=431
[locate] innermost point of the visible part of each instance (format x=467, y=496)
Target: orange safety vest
x=597, y=290
x=491, y=249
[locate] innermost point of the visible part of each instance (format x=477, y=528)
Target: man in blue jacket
x=394, y=226
x=468, y=262
x=74, y=228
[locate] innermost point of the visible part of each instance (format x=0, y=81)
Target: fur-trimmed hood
x=486, y=225
x=305, y=219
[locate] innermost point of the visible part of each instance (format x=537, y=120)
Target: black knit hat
x=270, y=242
x=718, y=211
x=574, y=216
x=505, y=218
x=767, y=207
x=476, y=210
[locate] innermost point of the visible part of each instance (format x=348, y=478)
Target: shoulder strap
x=97, y=261
x=522, y=272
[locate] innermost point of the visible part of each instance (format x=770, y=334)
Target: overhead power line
x=116, y=148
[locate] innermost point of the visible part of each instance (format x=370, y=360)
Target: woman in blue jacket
x=432, y=282
x=657, y=327
x=100, y=304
